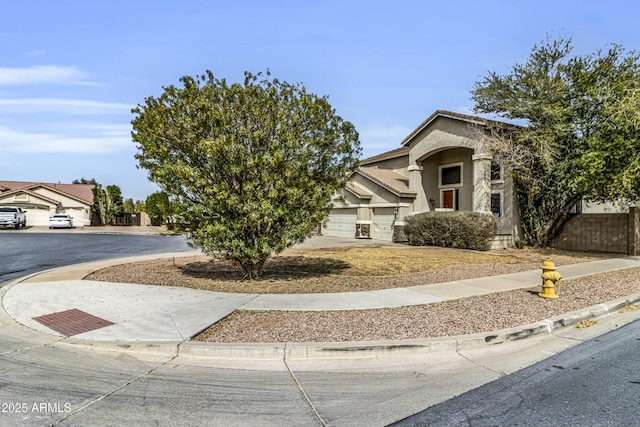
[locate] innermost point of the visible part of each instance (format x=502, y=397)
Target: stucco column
x=481, y=182
x=415, y=183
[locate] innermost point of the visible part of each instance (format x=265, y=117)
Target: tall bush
x=464, y=230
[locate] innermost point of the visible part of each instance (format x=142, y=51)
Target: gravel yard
x=464, y=316
x=357, y=269
x=353, y=269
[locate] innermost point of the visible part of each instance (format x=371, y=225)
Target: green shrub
x=519, y=244
x=464, y=230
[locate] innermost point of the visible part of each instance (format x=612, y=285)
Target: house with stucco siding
x=41, y=200
x=441, y=166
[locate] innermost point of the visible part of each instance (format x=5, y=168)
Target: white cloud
x=38, y=74
x=69, y=106
x=104, y=139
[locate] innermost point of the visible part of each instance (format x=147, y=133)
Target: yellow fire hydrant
x=549, y=278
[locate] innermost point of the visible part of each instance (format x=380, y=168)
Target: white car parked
x=61, y=221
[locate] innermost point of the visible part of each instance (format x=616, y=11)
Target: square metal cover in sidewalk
x=72, y=322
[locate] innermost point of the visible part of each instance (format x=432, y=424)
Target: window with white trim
x=450, y=175
x=496, y=203
x=496, y=171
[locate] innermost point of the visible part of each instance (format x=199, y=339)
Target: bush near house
x=463, y=230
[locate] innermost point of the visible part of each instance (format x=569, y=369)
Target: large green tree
x=158, y=207
x=580, y=138
x=254, y=165
x=107, y=201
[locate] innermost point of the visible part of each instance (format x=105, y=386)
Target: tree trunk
x=552, y=227
x=253, y=270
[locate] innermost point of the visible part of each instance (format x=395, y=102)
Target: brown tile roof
x=358, y=191
x=81, y=192
x=393, y=181
x=392, y=154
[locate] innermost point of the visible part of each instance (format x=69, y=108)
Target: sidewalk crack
x=499, y=373
x=115, y=390
x=304, y=394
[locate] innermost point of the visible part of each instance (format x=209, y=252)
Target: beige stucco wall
x=443, y=141
x=430, y=177
x=399, y=165
x=443, y=134
x=81, y=212
x=380, y=194
x=509, y=222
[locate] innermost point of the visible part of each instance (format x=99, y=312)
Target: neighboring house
x=441, y=166
x=41, y=200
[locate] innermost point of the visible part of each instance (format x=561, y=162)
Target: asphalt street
x=23, y=253
x=47, y=379
x=596, y=383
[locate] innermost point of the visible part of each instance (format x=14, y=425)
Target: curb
x=290, y=351
x=357, y=349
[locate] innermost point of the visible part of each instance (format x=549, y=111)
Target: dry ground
x=368, y=268
x=348, y=269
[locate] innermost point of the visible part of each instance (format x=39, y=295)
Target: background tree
x=128, y=206
x=84, y=181
x=253, y=165
x=107, y=202
x=158, y=207
x=97, y=193
x=581, y=138
x=138, y=206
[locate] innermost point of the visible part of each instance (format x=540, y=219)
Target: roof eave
x=385, y=185
x=358, y=195
x=391, y=154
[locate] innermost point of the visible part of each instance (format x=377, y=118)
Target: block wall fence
x=610, y=232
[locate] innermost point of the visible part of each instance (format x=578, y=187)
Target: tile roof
x=358, y=190
x=393, y=181
x=82, y=192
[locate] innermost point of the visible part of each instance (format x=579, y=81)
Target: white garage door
x=341, y=223
x=37, y=217
x=383, y=219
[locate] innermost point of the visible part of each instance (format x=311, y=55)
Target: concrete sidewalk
x=165, y=313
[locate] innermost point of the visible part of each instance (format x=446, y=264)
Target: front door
x=448, y=199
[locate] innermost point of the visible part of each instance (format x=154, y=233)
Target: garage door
x=341, y=223
x=37, y=217
x=383, y=219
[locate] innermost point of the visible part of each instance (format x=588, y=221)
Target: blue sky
x=70, y=71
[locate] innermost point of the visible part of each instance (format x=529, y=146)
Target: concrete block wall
x=634, y=231
x=608, y=232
